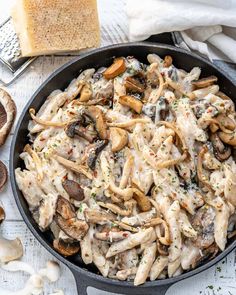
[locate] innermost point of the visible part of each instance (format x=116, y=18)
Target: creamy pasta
x=132, y=167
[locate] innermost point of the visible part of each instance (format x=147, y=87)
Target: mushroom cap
x=10, y=250
x=229, y=138
x=118, y=67
x=221, y=151
x=64, y=248
x=74, y=228
x=73, y=189
x=3, y=175
x=94, y=152
x=65, y=208
x=7, y=115
x=52, y=271
x=97, y=116
x=2, y=215
x=119, y=138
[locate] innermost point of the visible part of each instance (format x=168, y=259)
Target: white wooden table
x=220, y=279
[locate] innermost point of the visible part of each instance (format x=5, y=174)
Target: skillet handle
x=83, y=283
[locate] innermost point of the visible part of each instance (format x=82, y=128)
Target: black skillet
x=88, y=275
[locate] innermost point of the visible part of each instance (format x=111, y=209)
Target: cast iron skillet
x=87, y=275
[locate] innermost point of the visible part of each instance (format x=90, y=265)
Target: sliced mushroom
x=73, y=189
x=74, y=228
x=86, y=93
x=206, y=255
x=65, y=208
x=210, y=162
x=97, y=116
x=229, y=138
x=7, y=115
x=94, y=152
x=118, y=67
x=162, y=109
x=66, y=249
x=10, y=250
x=98, y=216
x=203, y=223
x=133, y=85
x=226, y=122
x=213, y=127
x=2, y=215
x=76, y=129
x=205, y=82
x=3, y=175
x=119, y=138
x=221, y=151
x=131, y=102
x=167, y=61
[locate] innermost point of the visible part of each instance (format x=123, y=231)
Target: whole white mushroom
x=52, y=271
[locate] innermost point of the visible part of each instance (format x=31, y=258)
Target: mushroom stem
x=36, y=160
x=73, y=166
x=52, y=271
x=17, y=265
x=45, y=123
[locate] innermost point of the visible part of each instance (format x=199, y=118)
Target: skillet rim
x=72, y=266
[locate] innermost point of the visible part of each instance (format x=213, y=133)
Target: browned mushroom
x=73, y=189
x=2, y=215
x=73, y=227
x=167, y=61
x=228, y=138
x=98, y=118
x=94, y=152
x=7, y=115
x=3, y=175
x=133, y=85
x=162, y=109
x=65, y=208
x=119, y=138
x=76, y=129
x=225, y=121
x=118, y=67
x=221, y=151
x=204, y=82
x=203, y=223
x=66, y=249
x=131, y=102
x=86, y=93
x=98, y=216
x=206, y=254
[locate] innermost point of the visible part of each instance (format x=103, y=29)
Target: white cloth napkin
x=207, y=26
